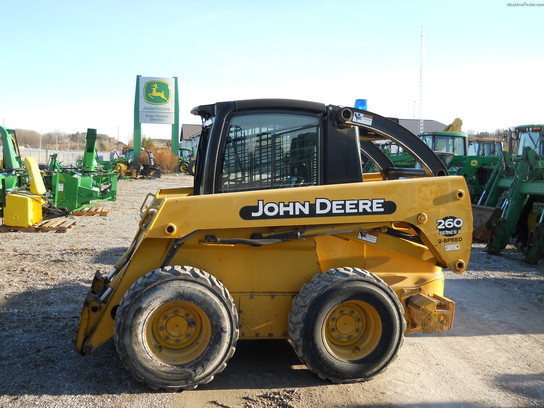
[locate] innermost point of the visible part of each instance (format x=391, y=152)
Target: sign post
x=156, y=101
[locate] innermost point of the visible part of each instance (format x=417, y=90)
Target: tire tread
x=155, y=277
x=312, y=289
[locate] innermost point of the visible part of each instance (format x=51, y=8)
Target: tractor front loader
x=282, y=237
x=511, y=207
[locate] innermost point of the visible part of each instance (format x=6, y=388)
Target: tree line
x=65, y=141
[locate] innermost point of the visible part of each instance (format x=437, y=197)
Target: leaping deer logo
x=154, y=93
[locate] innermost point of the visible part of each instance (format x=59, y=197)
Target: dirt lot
x=494, y=357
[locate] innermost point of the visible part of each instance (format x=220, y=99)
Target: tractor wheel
x=183, y=167
x=346, y=325
x=176, y=328
x=191, y=168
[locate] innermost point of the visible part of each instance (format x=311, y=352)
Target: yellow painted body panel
x=210, y=231
x=22, y=210
x=37, y=185
x=263, y=316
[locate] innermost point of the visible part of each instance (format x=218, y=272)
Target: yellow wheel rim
x=178, y=332
x=352, y=330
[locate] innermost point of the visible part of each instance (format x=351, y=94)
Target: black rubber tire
x=314, y=309
x=192, y=168
x=159, y=363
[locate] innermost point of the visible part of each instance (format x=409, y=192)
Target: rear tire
x=176, y=328
x=346, y=325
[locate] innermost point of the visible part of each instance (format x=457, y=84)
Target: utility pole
x=421, y=121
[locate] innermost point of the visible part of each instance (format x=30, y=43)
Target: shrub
x=164, y=158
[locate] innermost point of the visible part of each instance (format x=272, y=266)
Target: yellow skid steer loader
x=281, y=237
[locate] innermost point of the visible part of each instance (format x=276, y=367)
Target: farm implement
x=79, y=188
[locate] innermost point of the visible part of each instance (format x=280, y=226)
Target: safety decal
x=361, y=118
x=321, y=207
x=452, y=247
x=365, y=236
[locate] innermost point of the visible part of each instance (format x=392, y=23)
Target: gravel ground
x=493, y=357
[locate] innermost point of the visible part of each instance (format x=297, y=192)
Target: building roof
x=188, y=131
x=428, y=125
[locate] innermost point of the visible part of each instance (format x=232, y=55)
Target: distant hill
x=61, y=140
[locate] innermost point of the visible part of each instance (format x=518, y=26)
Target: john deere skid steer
x=281, y=237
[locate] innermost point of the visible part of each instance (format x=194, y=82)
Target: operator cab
x=488, y=147
x=277, y=143
x=530, y=136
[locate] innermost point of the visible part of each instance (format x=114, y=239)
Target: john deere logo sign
x=156, y=92
x=156, y=101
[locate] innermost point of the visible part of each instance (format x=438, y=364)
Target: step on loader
x=283, y=237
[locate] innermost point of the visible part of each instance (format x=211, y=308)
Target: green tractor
x=187, y=160
x=511, y=207
x=470, y=158
x=130, y=167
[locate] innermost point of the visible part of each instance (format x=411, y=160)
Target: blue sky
x=72, y=65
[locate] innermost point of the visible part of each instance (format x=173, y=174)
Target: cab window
x=270, y=150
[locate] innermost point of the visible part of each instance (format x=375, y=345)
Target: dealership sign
x=156, y=97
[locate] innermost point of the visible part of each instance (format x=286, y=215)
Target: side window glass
x=270, y=150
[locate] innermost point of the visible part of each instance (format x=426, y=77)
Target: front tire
x=191, y=168
x=176, y=328
x=346, y=325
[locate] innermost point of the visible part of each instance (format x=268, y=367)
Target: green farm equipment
x=512, y=204
x=129, y=167
x=474, y=159
x=478, y=165
x=24, y=198
x=12, y=170
x=187, y=160
x=75, y=189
